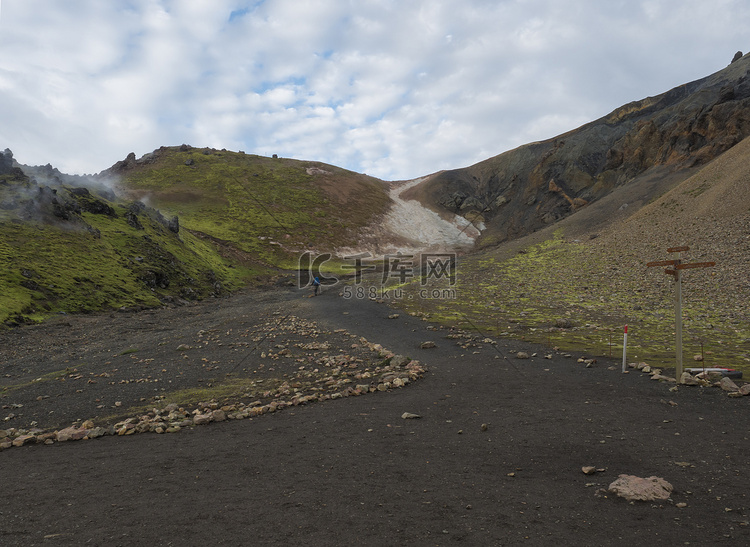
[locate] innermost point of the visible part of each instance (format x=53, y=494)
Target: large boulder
x=634, y=488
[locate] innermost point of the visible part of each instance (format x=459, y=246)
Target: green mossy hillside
x=72, y=245
x=272, y=208
x=57, y=256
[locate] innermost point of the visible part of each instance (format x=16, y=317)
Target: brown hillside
x=588, y=272
x=653, y=144
x=710, y=212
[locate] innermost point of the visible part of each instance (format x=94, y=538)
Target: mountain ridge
x=534, y=185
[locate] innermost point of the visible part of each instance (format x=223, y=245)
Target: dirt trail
x=353, y=471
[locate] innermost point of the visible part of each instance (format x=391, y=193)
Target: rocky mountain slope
x=575, y=284
x=654, y=143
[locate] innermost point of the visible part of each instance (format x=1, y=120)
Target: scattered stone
x=201, y=419
x=634, y=488
x=400, y=361
x=588, y=469
x=745, y=389
x=96, y=432
x=662, y=377
x=393, y=316
x=522, y=355
x=484, y=427
x=564, y=323
x=728, y=385
x=70, y=434
x=218, y=415
x=23, y=439
x=698, y=357
x=710, y=375
x=427, y=345
x=410, y=416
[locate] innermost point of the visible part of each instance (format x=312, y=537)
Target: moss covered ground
x=102, y=262
x=241, y=219
x=273, y=208
x=570, y=296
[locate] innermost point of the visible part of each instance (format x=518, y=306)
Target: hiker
x=316, y=286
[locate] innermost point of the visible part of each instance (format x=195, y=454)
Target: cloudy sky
x=393, y=88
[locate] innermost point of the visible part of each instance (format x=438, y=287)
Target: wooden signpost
x=674, y=271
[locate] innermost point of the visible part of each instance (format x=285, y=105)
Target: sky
x=397, y=89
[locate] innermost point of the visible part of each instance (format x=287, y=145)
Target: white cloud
x=394, y=89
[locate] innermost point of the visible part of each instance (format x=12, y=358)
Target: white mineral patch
x=409, y=227
x=410, y=219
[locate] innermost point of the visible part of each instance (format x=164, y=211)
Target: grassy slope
x=241, y=217
x=49, y=269
x=602, y=284
x=272, y=208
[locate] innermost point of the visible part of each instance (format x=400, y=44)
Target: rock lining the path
x=399, y=371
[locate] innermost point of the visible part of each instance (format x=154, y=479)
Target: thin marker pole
x=625, y=349
x=678, y=325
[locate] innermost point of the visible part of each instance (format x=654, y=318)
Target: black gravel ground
x=495, y=458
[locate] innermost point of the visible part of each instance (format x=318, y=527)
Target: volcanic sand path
x=352, y=471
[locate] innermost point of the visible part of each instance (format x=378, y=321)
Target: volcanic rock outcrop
x=522, y=190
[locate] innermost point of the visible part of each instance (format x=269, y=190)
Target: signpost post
x=677, y=267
